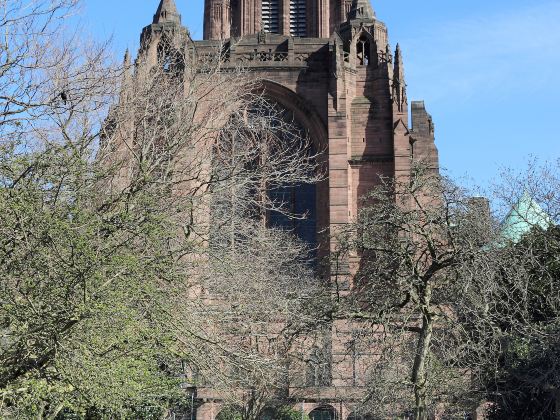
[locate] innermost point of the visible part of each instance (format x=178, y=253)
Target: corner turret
x=362, y=11
x=423, y=145
x=164, y=35
x=167, y=13
x=127, y=59
x=362, y=19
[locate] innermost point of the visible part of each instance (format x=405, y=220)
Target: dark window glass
x=324, y=413
x=299, y=201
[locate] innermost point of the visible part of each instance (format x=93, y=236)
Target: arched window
x=267, y=414
x=280, y=162
x=323, y=413
x=363, y=51
x=317, y=370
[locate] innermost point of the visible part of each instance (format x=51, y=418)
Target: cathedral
x=328, y=62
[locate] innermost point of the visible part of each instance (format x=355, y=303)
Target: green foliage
x=287, y=413
x=527, y=381
x=230, y=413
x=81, y=319
x=281, y=412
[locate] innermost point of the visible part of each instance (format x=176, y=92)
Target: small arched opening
x=363, y=51
x=323, y=413
x=169, y=58
x=268, y=414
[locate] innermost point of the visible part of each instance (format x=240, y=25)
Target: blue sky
x=487, y=69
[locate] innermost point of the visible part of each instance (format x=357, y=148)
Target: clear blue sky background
x=489, y=70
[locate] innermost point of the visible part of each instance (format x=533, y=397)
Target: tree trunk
x=419, y=373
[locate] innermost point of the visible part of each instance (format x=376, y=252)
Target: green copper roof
x=524, y=215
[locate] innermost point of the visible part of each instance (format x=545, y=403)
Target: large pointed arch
x=307, y=117
x=303, y=112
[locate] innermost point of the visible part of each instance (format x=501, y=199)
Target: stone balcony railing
x=273, y=51
x=259, y=58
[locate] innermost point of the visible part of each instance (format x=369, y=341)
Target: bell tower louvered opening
x=270, y=16
x=298, y=18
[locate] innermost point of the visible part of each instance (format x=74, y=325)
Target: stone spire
x=399, y=66
x=126, y=77
x=361, y=10
x=127, y=67
x=167, y=21
x=126, y=61
x=167, y=12
x=399, y=85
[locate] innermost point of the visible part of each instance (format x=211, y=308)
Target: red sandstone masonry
x=356, y=114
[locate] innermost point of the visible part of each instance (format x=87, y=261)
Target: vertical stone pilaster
x=284, y=17
x=217, y=19
x=323, y=21
x=401, y=134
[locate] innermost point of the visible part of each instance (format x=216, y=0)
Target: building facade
x=328, y=62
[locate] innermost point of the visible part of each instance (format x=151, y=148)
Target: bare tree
x=414, y=240
x=455, y=300
x=133, y=241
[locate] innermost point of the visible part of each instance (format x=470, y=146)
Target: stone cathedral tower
x=329, y=62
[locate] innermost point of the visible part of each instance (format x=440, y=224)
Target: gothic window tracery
x=289, y=206
x=317, y=371
x=299, y=214
x=296, y=202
